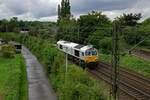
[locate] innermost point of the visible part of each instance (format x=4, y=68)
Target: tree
x=67, y=30
x=129, y=19
x=68, y=8
x=144, y=29
x=66, y=22
x=132, y=35
x=145, y=26
x=3, y=25
x=92, y=22
x=64, y=10
x=13, y=25
x=59, y=12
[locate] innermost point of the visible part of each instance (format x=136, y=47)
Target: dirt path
x=39, y=86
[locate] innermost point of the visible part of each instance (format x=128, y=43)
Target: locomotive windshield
x=91, y=52
x=94, y=52
x=88, y=53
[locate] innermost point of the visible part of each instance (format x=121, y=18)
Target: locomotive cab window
x=60, y=46
x=88, y=53
x=94, y=52
x=77, y=53
x=82, y=53
x=91, y=53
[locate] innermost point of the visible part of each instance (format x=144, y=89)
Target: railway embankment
x=131, y=62
x=142, y=54
x=131, y=83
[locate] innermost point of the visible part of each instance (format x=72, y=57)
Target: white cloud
x=28, y=9
x=47, y=9
x=141, y=6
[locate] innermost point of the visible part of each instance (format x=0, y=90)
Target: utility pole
x=115, y=60
x=78, y=33
x=66, y=63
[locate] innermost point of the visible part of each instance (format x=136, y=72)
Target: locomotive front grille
x=89, y=59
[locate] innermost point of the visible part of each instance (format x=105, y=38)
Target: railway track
x=142, y=54
x=131, y=83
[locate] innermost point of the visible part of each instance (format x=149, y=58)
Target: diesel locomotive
x=86, y=55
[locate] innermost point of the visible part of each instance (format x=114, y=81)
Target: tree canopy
x=129, y=19
x=64, y=10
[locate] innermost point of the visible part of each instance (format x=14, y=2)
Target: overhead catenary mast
x=115, y=60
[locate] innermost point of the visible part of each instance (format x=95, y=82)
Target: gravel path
x=39, y=86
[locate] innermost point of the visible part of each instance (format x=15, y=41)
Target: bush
x=133, y=35
x=146, y=43
x=8, y=51
x=101, y=40
x=76, y=85
x=106, y=44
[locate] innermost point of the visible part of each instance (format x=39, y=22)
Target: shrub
x=8, y=51
x=146, y=43
x=105, y=44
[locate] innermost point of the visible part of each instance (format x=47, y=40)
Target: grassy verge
x=11, y=77
x=131, y=62
x=23, y=82
x=76, y=84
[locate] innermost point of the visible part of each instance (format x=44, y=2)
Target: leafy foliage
x=8, y=51
x=144, y=28
x=64, y=10
x=129, y=19
x=33, y=28
x=133, y=32
x=67, y=30
x=92, y=22
x=101, y=40
x=131, y=35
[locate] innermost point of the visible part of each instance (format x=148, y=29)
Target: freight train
x=85, y=55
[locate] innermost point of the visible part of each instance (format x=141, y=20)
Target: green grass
x=77, y=84
x=13, y=84
x=131, y=62
x=23, y=82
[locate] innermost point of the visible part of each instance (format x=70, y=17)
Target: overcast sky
x=46, y=10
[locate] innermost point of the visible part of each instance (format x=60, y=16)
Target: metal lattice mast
x=115, y=59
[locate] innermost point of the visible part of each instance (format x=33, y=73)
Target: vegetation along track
x=131, y=83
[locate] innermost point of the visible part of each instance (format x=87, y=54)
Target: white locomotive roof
x=83, y=49
x=60, y=42
x=75, y=45
x=68, y=44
